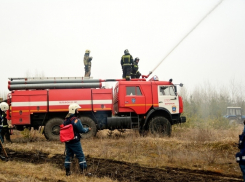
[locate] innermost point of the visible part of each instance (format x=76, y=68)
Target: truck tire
x=52, y=129
x=160, y=126
x=19, y=127
x=88, y=123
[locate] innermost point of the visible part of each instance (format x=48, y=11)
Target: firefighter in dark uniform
x=74, y=146
x=4, y=107
x=135, y=69
x=5, y=126
x=126, y=63
x=1, y=126
x=87, y=63
x=240, y=156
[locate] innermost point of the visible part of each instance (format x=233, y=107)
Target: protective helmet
x=137, y=59
x=73, y=107
x=4, y=106
x=87, y=51
x=126, y=51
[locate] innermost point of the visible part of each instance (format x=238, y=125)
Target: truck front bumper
x=182, y=119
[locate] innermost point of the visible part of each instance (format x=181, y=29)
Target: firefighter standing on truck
x=87, y=63
x=135, y=69
x=126, y=63
x=5, y=126
x=4, y=107
x=74, y=146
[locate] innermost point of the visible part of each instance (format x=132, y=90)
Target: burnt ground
x=123, y=171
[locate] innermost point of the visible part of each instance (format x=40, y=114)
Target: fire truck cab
x=150, y=105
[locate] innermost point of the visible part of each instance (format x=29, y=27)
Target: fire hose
x=4, y=151
x=209, y=12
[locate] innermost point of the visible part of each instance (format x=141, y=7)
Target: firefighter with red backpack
x=74, y=146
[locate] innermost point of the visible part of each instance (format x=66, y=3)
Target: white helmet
x=4, y=106
x=73, y=107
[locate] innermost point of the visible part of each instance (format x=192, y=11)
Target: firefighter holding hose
x=74, y=146
x=87, y=63
x=135, y=69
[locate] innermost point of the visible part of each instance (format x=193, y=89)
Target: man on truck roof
x=126, y=63
x=135, y=69
x=87, y=63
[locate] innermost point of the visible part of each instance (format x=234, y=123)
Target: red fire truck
x=146, y=105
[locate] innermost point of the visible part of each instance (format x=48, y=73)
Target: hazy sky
x=49, y=37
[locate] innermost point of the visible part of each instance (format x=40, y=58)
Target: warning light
x=154, y=78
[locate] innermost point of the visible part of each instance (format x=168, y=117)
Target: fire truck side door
x=135, y=99
x=168, y=99
x=25, y=103
x=20, y=110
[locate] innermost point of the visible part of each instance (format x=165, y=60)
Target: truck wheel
x=52, y=129
x=19, y=127
x=160, y=126
x=88, y=122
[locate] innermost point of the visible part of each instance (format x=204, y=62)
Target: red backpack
x=66, y=133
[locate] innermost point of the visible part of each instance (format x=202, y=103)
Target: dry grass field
x=188, y=155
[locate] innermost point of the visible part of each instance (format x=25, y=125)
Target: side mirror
x=175, y=90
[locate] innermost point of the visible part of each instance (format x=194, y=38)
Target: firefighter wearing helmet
x=135, y=69
x=87, y=63
x=126, y=63
x=4, y=130
x=74, y=146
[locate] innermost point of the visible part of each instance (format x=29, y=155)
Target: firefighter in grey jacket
x=87, y=63
x=74, y=146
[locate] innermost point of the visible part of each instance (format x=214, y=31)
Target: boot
x=68, y=172
x=2, y=158
x=83, y=170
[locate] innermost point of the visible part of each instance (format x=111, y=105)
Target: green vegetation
x=206, y=106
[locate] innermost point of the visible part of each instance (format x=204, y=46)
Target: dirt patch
x=123, y=171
